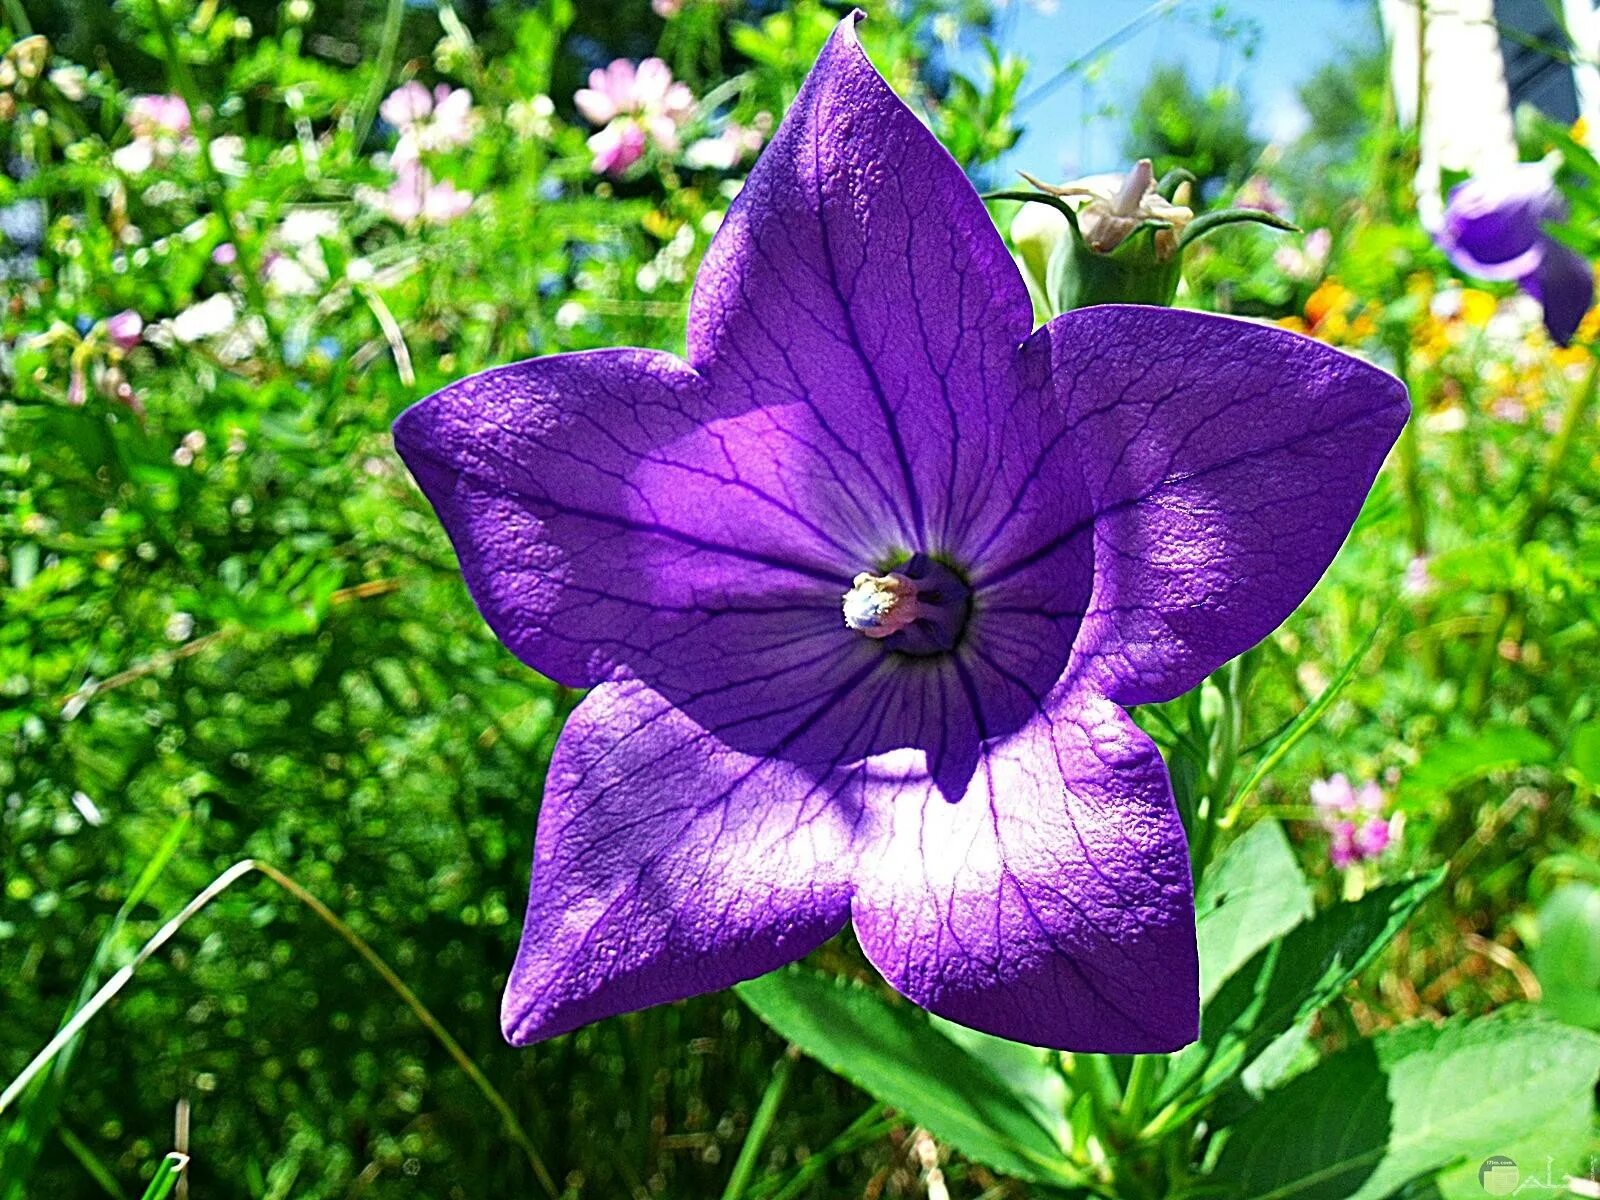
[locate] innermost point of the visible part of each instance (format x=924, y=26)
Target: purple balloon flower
x=1494, y=228
x=1026, y=533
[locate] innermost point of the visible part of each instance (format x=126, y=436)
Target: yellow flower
x=1477, y=307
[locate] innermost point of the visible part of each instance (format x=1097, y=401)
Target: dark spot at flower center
x=919, y=608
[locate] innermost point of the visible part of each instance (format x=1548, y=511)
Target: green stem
x=1410, y=450
x=1572, y=418
x=383, y=70
x=865, y=1129
x=18, y=18
x=760, y=1126
x=1142, y=1079
x=1579, y=402
x=1099, y=1079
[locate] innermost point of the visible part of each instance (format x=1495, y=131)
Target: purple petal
x=667, y=865
x=1564, y=284
x=1053, y=903
x=1493, y=225
x=1226, y=462
x=858, y=275
x=593, y=532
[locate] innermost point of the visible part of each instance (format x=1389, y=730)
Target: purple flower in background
x=861, y=588
x=1494, y=228
x=1353, y=818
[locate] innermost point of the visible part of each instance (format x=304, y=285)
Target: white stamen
x=880, y=606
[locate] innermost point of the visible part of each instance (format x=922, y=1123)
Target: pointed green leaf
x=894, y=1052
x=1251, y=894
x=1288, y=980
x=1412, y=1102
x=1567, y=958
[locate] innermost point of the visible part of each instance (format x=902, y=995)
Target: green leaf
x=894, y=1052
x=1412, y=1102
x=1029, y=1071
x=1567, y=957
x=1448, y=764
x=1251, y=895
x=1288, y=980
x=1584, y=754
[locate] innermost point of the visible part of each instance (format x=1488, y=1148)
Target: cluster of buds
x=20, y=66
x=1113, y=239
x=98, y=357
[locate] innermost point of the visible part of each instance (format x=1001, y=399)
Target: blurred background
x=236, y=239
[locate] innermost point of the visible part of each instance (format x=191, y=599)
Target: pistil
x=918, y=608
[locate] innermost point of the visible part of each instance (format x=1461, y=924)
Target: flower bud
x=1127, y=239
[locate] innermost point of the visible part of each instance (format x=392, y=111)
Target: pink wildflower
x=156, y=116
x=1353, y=818
x=126, y=329
x=438, y=120
x=161, y=125
x=416, y=195
x=637, y=107
x=1258, y=192
x=726, y=150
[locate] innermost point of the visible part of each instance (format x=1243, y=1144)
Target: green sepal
x=1134, y=273
x=1207, y=222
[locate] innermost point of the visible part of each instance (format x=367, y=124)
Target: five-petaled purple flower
x=1494, y=228
x=1026, y=534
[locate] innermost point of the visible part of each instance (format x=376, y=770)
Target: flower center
x=918, y=608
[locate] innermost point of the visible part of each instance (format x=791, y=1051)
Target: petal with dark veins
x=1053, y=903
x=1225, y=463
x=588, y=543
x=858, y=273
x=667, y=865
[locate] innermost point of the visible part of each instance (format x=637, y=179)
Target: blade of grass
x=760, y=1126
x=90, y=1162
x=863, y=1131
x=1301, y=725
x=166, y=1177
x=205, y=896
x=23, y=1140
x=388, y=40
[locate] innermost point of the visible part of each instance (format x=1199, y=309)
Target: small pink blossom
x=438, y=120
x=726, y=150
x=637, y=106
x=126, y=329
x=1258, y=192
x=1307, y=260
x=225, y=255
x=1417, y=581
x=156, y=116
x=666, y=9
x=1353, y=818
x=161, y=125
x=617, y=147
x=416, y=195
